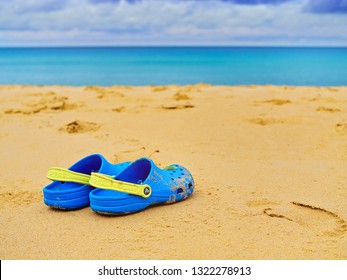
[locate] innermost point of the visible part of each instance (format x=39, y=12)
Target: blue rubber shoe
x=70, y=189
x=139, y=186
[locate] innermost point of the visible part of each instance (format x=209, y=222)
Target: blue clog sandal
x=139, y=186
x=70, y=189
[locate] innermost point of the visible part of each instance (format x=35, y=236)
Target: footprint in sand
x=265, y=121
x=332, y=89
x=328, y=109
x=185, y=90
x=19, y=198
x=160, y=88
x=79, y=127
x=278, y=102
x=324, y=99
x=341, y=128
x=103, y=91
x=36, y=102
x=181, y=96
x=317, y=219
x=177, y=106
x=119, y=109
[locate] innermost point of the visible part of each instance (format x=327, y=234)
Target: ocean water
x=174, y=65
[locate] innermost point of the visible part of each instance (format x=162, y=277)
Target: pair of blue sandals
x=116, y=189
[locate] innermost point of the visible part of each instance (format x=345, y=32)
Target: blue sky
x=173, y=22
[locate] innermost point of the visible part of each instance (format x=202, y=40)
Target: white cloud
x=151, y=22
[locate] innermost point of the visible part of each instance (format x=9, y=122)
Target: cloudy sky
x=173, y=22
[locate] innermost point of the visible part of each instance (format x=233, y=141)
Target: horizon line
x=174, y=46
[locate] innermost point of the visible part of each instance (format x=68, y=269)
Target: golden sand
x=270, y=166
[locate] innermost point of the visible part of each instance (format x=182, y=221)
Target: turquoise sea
x=174, y=65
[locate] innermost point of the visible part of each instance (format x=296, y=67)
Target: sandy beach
x=269, y=165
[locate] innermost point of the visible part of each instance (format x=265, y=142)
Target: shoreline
x=269, y=163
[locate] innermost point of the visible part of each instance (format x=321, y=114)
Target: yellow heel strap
x=170, y=167
x=65, y=175
x=105, y=182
